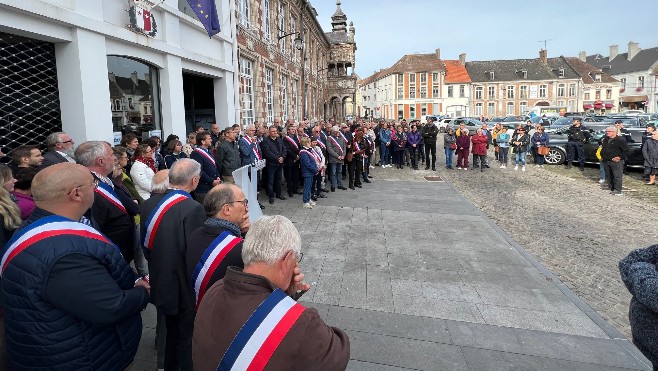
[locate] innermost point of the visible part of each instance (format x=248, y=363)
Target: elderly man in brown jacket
x=249, y=320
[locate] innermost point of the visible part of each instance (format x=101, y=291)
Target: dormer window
x=560, y=72
x=597, y=77
x=524, y=73
x=491, y=75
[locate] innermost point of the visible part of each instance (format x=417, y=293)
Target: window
x=572, y=105
x=586, y=96
x=247, y=91
x=597, y=77
x=640, y=81
x=597, y=94
x=510, y=92
x=423, y=92
x=623, y=83
x=478, y=109
x=293, y=29
x=412, y=111
x=412, y=78
x=524, y=73
x=244, y=8
x=284, y=96
x=400, y=93
x=423, y=85
x=523, y=92
x=423, y=109
x=491, y=109
x=542, y=91
x=608, y=94
x=435, y=108
x=435, y=91
x=478, y=92
x=282, y=26
x=435, y=78
x=400, y=79
x=523, y=106
x=510, y=108
x=560, y=103
x=462, y=91
x=412, y=85
x=269, y=95
x=450, y=87
x=491, y=75
x=295, y=101
x=560, y=90
x=560, y=72
x=266, y=20
x=400, y=111
x=423, y=78
x=572, y=90
x=492, y=92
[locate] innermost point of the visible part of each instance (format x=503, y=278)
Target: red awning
x=598, y=105
x=609, y=105
x=587, y=106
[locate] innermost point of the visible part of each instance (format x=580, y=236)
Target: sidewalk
x=421, y=280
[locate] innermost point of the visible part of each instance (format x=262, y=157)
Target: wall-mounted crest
x=141, y=18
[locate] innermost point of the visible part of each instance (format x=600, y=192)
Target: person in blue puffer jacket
x=385, y=139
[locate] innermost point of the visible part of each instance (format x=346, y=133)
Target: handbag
x=598, y=153
x=453, y=146
x=542, y=150
x=349, y=157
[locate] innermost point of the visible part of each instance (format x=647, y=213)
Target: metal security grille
x=29, y=99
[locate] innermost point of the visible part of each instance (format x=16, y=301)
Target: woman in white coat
x=143, y=170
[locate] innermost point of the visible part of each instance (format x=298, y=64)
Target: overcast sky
x=486, y=30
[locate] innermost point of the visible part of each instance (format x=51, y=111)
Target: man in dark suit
x=165, y=244
x=291, y=164
x=274, y=152
x=60, y=149
x=209, y=173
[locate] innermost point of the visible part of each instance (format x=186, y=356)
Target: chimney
x=134, y=78
x=614, y=52
x=543, y=56
x=582, y=56
x=112, y=77
x=462, y=59
x=438, y=53
x=633, y=49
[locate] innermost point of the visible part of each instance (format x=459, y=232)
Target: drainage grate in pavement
x=433, y=179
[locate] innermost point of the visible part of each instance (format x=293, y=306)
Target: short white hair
x=268, y=240
x=160, y=187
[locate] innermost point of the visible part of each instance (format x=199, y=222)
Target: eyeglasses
x=244, y=202
x=301, y=256
x=94, y=184
x=68, y=141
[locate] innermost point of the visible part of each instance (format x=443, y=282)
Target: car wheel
x=555, y=156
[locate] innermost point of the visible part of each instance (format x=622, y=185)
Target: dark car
x=557, y=148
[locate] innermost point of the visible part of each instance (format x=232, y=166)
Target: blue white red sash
x=206, y=155
x=337, y=145
x=321, y=144
x=210, y=260
x=292, y=140
x=342, y=135
x=304, y=134
x=153, y=221
x=255, y=147
x=108, y=193
x=258, y=339
x=311, y=153
x=50, y=226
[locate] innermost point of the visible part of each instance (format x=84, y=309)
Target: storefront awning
x=587, y=106
x=635, y=98
x=609, y=105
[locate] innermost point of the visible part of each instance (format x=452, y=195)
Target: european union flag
x=206, y=11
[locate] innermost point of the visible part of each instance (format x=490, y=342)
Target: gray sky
x=486, y=30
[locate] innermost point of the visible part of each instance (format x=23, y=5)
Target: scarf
x=148, y=162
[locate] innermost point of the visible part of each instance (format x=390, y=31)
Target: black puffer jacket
x=430, y=132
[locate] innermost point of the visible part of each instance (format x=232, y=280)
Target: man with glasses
x=614, y=151
x=244, y=302
x=60, y=149
x=167, y=222
x=217, y=245
x=67, y=280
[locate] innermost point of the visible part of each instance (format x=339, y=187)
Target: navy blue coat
x=208, y=171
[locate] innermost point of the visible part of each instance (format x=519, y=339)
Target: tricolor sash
x=311, y=153
x=50, y=226
x=153, y=221
x=106, y=191
x=321, y=144
x=206, y=155
x=291, y=140
x=337, y=145
x=260, y=336
x=255, y=147
x=343, y=135
x=209, y=262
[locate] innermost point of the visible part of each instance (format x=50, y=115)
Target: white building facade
x=106, y=78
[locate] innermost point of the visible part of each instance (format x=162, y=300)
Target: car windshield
x=512, y=118
x=563, y=121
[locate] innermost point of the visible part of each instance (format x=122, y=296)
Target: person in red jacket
x=463, y=145
x=479, y=148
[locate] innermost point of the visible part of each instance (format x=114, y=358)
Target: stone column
x=224, y=102
x=171, y=96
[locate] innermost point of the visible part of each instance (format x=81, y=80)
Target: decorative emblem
x=141, y=18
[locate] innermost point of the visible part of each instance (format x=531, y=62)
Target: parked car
x=443, y=124
x=557, y=148
x=471, y=124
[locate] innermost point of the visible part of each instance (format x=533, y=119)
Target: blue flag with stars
x=206, y=11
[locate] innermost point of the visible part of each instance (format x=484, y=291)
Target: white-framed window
x=117, y=105
x=284, y=96
x=435, y=90
x=293, y=29
x=435, y=78
x=510, y=108
x=435, y=108
x=560, y=72
x=267, y=29
x=478, y=109
x=608, y=94
x=400, y=78
x=423, y=91
x=491, y=109
x=244, y=10
x=462, y=91
x=572, y=90
x=523, y=92
x=510, y=92
x=623, y=83
x=523, y=106
x=572, y=105
x=400, y=93
x=542, y=91
x=423, y=85
x=247, y=91
x=492, y=92
x=560, y=103
x=295, y=101
x=412, y=78
x=400, y=111
x=412, y=85
x=269, y=94
x=423, y=109
x=560, y=90
x=597, y=94
x=478, y=92
x=450, y=91
x=412, y=111
x=597, y=77
x=423, y=78
x=587, y=96
x=282, y=26
x=640, y=81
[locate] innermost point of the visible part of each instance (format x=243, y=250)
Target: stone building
x=288, y=66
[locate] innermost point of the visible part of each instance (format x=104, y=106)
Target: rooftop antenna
x=546, y=42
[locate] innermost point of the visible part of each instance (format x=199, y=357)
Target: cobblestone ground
x=572, y=225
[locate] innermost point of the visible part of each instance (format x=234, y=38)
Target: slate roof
x=455, y=72
x=587, y=72
x=512, y=70
x=417, y=63
x=642, y=62
x=340, y=37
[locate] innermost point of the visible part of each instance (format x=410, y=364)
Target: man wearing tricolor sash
x=70, y=300
x=167, y=222
x=209, y=173
x=291, y=165
x=218, y=244
x=248, y=319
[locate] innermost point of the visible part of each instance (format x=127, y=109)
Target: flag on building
x=206, y=11
x=143, y=18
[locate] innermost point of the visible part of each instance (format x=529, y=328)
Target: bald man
x=67, y=290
